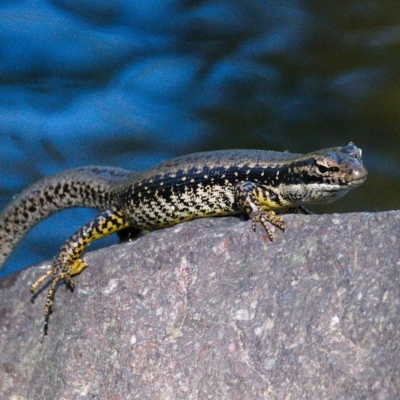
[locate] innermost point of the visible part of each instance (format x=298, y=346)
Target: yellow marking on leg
x=249, y=196
x=77, y=267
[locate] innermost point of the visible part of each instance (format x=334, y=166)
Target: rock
x=211, y=310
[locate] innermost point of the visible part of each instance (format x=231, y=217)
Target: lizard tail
x=92, y=187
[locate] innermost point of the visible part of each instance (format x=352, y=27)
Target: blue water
x=131, y=83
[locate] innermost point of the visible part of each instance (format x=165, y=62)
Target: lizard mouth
x=355, y=174
x=358, y=180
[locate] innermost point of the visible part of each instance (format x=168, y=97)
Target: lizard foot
x=266, y=218
x=59, y=273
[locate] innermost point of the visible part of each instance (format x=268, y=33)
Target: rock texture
x=210, y=310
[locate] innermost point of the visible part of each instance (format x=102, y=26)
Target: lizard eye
x=322, y=169
x=356, y=154
x=353, y=151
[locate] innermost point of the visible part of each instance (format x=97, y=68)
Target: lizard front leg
x=246, y=194
x=68, y=263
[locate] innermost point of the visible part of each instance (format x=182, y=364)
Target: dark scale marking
x=255, y=182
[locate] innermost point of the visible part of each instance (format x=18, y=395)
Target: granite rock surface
x=211, y=310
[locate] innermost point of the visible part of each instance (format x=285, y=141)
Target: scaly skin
x=254, y=182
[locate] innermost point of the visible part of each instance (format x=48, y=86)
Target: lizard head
x=329, y=174
x=341, y=165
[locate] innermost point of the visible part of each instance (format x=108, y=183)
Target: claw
x=266, y=218
x=59, y=274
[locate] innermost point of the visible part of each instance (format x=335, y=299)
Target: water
x=133, y=83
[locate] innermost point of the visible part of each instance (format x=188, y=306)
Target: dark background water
x=131, y=83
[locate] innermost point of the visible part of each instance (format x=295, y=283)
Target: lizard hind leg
x=68, y=262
